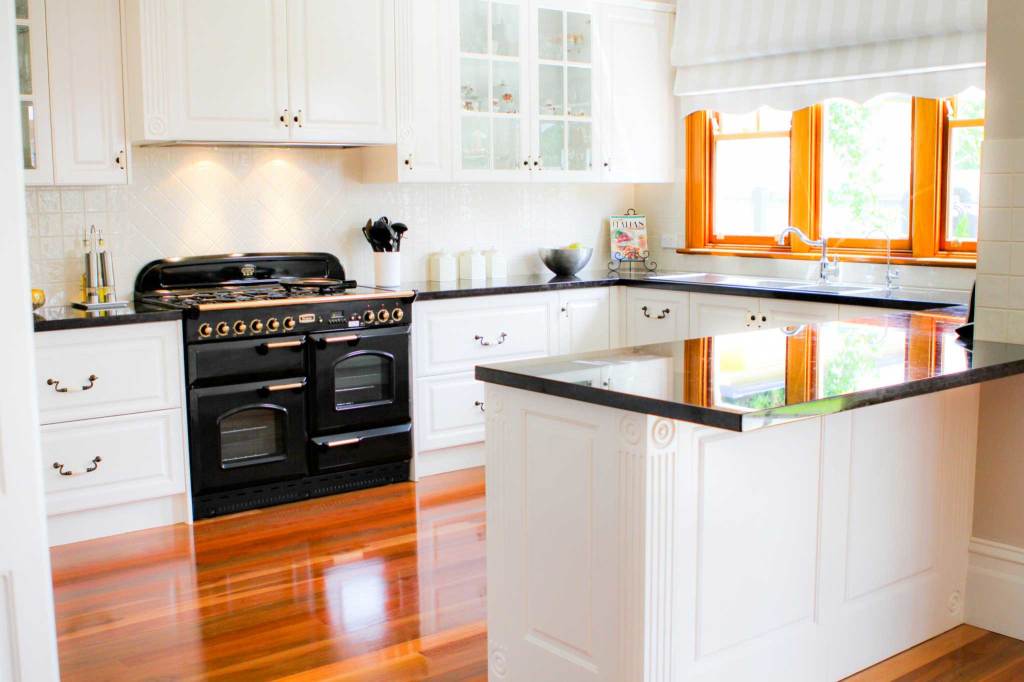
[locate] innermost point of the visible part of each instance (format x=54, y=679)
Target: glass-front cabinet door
x=33, y=89
x=564, y=133
x=492, y=136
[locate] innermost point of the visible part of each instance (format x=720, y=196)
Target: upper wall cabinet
x=72, y=99
x=278, y=71
x=531, y=90
x=86, y=92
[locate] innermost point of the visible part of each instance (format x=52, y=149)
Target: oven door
x=246, y=434
x=361, y=379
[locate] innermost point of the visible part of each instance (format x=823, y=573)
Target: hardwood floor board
x=385, y=584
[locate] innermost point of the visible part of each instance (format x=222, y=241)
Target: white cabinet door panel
x=116, y=370
x=449, y=411
x=656, y=315
x=782, y=313
x=584, y=321
x=231, y=62
x=341, y=70
x=712, y=314
x=640, y=128
x=86, y=92
x=140, y=456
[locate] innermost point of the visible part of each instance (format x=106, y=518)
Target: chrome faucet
x=892, y=275
x=827, y=270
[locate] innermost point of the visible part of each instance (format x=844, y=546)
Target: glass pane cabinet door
x=490, y=85
x=564, y=90
x=33, y=101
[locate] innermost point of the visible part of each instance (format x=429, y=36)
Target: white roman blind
x=738, y=55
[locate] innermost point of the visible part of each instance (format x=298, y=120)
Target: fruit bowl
x=566, y=262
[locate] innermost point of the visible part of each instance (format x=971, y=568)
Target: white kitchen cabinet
x=638, y=110
x=114, y=453
x=452, y=411
x=423, y=58
x=584, y=320
x=304, y=71
x=34, y=94
x=656, y=315
x=712, y=314
x=341, y=70
x=86, y=92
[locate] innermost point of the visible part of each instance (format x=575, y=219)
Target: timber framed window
x=901, y=167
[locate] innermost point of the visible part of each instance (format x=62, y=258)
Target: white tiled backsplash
x=186, y=201
x=1000, y=294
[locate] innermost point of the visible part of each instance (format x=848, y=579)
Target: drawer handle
x=479, y=404
x=662, y=316
x=284, y=387
x=267, y=347
x=347, y=338
x=57, y=387
x=340, y=443
x=502, y=338
x=95, y=465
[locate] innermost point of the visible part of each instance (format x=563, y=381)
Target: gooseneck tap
x=826, y=269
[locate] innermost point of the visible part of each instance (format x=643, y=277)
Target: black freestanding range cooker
x=297, y=379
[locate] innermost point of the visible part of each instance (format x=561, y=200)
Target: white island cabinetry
x=623, y=546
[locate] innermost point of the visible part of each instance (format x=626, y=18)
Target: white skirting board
x=448, y=459
x=123, y=518
x=995, y=587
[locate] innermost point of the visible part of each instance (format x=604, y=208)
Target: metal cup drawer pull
x=662, y=316
x=57, y=387
x=95, y=465
x=502, y=338
x=480, y=404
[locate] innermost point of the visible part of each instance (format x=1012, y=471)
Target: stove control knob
x=273, y=325
x=289, y=324
x=369, y=317
x=223, y=329
x=397, y=314
x=256, y=326
x=383, y=315
x=240, y=327
x=205, y=330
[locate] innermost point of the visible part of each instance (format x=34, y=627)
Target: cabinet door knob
x=479, y=404
x=119, y=159
x=284, y=118
x=299, y=119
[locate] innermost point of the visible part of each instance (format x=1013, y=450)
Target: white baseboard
x=123, y=518
x=449, y=459
x=995, y=587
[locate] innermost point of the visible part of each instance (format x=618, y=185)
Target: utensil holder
x=387, y=269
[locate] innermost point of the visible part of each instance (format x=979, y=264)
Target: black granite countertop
x=56, y=318
x=749, y=380
x=867, y=294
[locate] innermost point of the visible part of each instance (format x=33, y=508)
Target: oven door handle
x=340, y=443
x=347, y=338
x=285, y=387
x=265, y=348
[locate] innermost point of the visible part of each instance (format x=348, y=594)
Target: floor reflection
x=380, y=584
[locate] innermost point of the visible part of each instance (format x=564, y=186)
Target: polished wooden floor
x=384, y=584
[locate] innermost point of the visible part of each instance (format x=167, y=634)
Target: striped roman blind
x=738, y=55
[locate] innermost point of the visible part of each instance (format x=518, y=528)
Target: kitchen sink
x=764, y=283
x=833, y=288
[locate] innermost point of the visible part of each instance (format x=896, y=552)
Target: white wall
x=196, y=200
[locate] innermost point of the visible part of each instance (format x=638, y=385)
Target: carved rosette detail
x=499, y=662
x=662, y=432
x=631, y=430
x=157, y=126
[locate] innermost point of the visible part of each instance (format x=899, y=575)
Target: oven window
x=252, y=436
x=363, y=378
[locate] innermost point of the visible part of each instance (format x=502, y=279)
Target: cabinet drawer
x=133, y=457
x=448, y=411
x=453, y=336
x=656, y=316
x=101, y=372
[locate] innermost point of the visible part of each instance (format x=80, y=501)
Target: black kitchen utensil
x=399, y=229
x=366, y=234
x=380, y=234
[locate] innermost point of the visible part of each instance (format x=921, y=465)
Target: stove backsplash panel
x=202, y=200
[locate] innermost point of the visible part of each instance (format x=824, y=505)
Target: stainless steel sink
x=764, y=283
